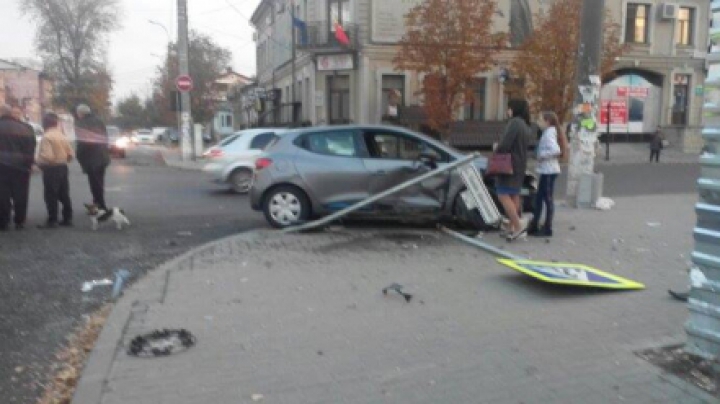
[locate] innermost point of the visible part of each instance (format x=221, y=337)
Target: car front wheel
x=285, y=206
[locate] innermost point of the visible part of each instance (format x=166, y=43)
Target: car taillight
x=262, y=163
x=214, y=153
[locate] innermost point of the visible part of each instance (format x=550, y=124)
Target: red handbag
x=500, y=164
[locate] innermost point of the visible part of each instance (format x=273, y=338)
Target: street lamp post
x=585, y=125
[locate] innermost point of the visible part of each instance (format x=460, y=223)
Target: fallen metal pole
x=384, y=194
x=477, y=243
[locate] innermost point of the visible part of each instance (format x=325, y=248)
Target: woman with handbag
x=510, y=158
x=549, y=152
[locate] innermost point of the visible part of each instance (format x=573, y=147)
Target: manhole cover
x=161, y=343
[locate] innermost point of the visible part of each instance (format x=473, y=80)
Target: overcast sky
x=132, y=47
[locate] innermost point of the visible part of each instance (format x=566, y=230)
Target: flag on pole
x=340, y=34
x=302, y=27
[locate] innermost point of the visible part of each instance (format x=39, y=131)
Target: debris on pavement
x=397, y=288
x=121, y=276
x=257, y=397
x=184, y=233
x=682, y=296
x=697, y=278
x=654, y=224
x=161, y=343
x=693, y=369
x=604, y=204
x=90, y=285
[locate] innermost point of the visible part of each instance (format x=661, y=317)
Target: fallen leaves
x=71, y=359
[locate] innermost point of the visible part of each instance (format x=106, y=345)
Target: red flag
x=340, y=34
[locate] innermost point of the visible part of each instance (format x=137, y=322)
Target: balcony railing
x=321, y=36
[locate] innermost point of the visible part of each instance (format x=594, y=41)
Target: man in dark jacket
x=92, y=151
x=17, y=155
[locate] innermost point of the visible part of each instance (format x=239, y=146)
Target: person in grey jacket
x=17, y=156
x=515, y=142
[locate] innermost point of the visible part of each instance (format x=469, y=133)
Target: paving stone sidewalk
x=301, y=318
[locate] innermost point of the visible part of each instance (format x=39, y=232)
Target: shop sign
x=343, y=61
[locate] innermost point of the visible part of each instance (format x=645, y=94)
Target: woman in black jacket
x=515, y=142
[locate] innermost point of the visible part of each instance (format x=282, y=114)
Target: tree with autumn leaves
x=449, y=42
x=547, y=61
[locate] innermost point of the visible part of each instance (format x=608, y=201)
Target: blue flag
x=302, y=26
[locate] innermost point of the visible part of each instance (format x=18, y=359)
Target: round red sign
x=184, y=83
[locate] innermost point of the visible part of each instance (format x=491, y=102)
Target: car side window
x=385, y=145
x=261, y=141
x=341, y=143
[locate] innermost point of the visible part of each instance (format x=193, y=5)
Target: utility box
x=589, y=190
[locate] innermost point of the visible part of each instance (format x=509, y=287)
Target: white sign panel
x=477, y=195
x=388, y=19
x=335, y=62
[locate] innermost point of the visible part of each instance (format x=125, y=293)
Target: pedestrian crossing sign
x=571, y=274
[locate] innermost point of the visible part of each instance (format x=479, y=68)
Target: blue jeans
x=544, y=196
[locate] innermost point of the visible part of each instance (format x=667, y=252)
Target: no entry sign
x=184, y=83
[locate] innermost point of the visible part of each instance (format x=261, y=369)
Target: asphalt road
x=41, y=271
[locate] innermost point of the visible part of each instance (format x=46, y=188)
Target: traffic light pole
x=186, y=144
x=585, y=127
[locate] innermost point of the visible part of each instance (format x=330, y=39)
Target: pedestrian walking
x=514, y=142
x=53, y=158
x=549, y=152
x=92, y=152
x=656, y=145
x=17, y=156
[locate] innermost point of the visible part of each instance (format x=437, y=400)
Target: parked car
x=171, y=136
x=314, y=172
x=232, y=161
x=145, y=136
x=118, y=143
x=159, y=134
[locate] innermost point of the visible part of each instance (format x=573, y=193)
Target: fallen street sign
x=477, y=195
x=570, y=274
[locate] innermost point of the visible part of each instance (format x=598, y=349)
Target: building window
x=685, y=26
x=339, y=12
x=475, y=107
x=393, y=90
x=636, y=23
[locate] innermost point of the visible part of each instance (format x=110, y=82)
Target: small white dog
x=98, y=216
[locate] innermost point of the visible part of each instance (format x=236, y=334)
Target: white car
x=145, y=136
x=232, y=161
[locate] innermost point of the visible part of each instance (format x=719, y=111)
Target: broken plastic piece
x=398, y=289
x=90, y=285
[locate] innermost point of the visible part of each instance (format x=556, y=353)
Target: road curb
x=91, y=385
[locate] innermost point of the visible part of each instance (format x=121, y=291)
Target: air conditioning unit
x=668, y=11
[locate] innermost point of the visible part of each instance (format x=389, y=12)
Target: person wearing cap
x=92, y=151
x=17, y=156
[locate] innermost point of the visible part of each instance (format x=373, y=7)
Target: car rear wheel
x=285, y=206
x=241, y=180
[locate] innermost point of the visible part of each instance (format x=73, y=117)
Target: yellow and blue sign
x=571, y=274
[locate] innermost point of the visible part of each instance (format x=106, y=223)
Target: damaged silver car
x=313, y=172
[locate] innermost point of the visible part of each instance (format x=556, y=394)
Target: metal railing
x=321, y=35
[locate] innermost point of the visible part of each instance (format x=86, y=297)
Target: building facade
x=27, y=87
x=657, y=84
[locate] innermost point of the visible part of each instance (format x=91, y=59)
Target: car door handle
x=380, y=173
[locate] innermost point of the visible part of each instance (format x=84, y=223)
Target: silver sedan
x=317, y=171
